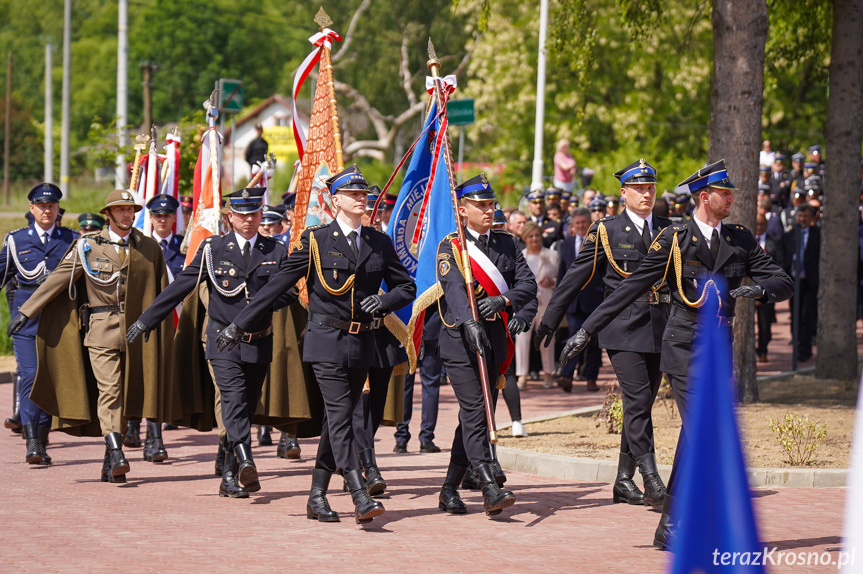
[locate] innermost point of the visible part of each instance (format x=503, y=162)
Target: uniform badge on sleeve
x=225, y=283
x=444, y=268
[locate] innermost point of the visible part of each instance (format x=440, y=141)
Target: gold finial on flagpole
x=322, y=19
x=433, y=61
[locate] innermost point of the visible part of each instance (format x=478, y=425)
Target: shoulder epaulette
x=678, y=227
x=452, y=235
x=608, y=218
x=314, y=227
x=68, y=228
x=208, y=239
x=502, y=232
x=19, y=229
x=736, y=226
x=91, y=233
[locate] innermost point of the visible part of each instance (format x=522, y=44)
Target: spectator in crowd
x=517, y=220
x=588, y=196
x=796, y=174
x=660, y=209
x=802, y=245
x=767, y=156
x=612, y=205
x=789, y=214
x=543, y=262
x=187, y=208
x=256, y=152
x=564, y=167
x=780, y=183
x=597, y=207
x=554, y=211
x=764, y=175
x=766, y=312
x=770, y=212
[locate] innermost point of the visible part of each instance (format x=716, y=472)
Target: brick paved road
x=168, y=517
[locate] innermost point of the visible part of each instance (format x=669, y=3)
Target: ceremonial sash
x=491, y=279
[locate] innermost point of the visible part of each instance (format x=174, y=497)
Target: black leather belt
x=692, y=315
x=247, y=337
x=121, y=308
x=654, y=298
x=352, y=327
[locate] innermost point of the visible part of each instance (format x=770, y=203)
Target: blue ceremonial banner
x=438, y=222
x=716, y=530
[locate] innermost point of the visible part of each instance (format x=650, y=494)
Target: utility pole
x=148, y=68
x=122, y=91
x=536, y=179
x=48, y=170
x=7, y=142
x=67, y=98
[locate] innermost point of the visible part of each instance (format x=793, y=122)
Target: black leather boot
x=42, y=433
x=247, y=473
x=154, y=447
x=119, y=466
x=625, y=489
x=106, y=467
x=229, y=486
x=318, y=508
x=133, y=434
x=220, y=457
x=366, y=507
x=654, y=489
x=375, y=483
x=449, y=499
x=264, y=438
x=469, y=482
x=288, y=447
x=13, y=423
x=494, y=499
x=666, y=530
x=499, y=475
x=34, y=449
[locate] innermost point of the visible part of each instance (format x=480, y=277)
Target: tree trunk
x=843, y=135
x=739, y=37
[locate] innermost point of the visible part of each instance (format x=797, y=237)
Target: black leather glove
x=751, y=291
x=229, y=338
x=491, y=305
x=475, y=336
x=136, y=330
x=516, y=325
x=574, y=345
x=17, y=323
x=374, y=303
x=542, y=336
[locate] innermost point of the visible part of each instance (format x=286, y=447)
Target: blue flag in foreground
x=712, y=504
x=439, y=221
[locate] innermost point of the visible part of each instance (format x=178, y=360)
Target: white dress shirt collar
x=638, y=221
x=41, y=232
x=241, y=241
x=706, y=230
x=476, y=234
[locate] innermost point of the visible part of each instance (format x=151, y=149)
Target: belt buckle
x=246, y=338
x=376, y=323
x=354, y=329
x=122, y=306
x=652, y=298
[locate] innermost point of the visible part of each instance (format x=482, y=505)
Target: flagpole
x=152, y=176
x=327, y=63
x=434, y=68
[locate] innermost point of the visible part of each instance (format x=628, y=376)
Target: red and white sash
x=491, y=279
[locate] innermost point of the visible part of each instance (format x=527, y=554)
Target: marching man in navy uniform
x=30, y=254
x=497, y=253
x=613, y=249
x=686, y=256
x=236, y=266
x=343, y=263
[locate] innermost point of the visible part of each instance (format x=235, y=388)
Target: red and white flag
x=206, y=193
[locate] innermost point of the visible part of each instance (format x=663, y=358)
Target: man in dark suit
x=462, y=337
x=766, y=312
x=549, y=228
x=803, y=263
x=344, y=264
x=615, y=248
x=236, y=267
x=687, y=256
x=581, y=306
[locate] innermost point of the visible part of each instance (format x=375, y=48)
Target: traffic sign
x=230, y=96
x=460, y=112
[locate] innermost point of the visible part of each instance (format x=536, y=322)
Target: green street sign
x=230, y=96
x=460, y=112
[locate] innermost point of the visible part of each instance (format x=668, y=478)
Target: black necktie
x=164, y=244
x=645, y=235
x=247, y=253
x=714, y=245
x=46, y=238
x=352, y=239
x=483, y=243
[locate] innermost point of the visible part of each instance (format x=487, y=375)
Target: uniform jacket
x=811, y=254
x=64, y=385
x=327, y=273
x=739, y=256
x=174, y=259
x=639, y=326
x=30, y=252
x=453, y=304
x=227, y=275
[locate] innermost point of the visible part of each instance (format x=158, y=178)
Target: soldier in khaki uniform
x=103, y=258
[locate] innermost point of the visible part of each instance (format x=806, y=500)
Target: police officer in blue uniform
x=686, y=257
x=236, y=266
x=344, y=264
x=30, y=254
x=462, y=337
x=613, y=249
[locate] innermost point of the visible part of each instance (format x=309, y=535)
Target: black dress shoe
x=401, y=448
x=220, y=457
x=449, y=500
x=42, y=433
x=366, y=507
x=318, y=507
x=666, y=529
x=31, y=437
x=229, y=487
x=119, y=466
x=375, y=483
x=154, y=448
x=427, y=447
x=247, y=473
x=133, y=434
x=13, y=423
x=169, y=426
x=624, y=489
x=264, y=438
x=493, y=498
x=654, y=489
x=288, y=447
x=499, y=475
x=106, y=470
x=565, y=384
